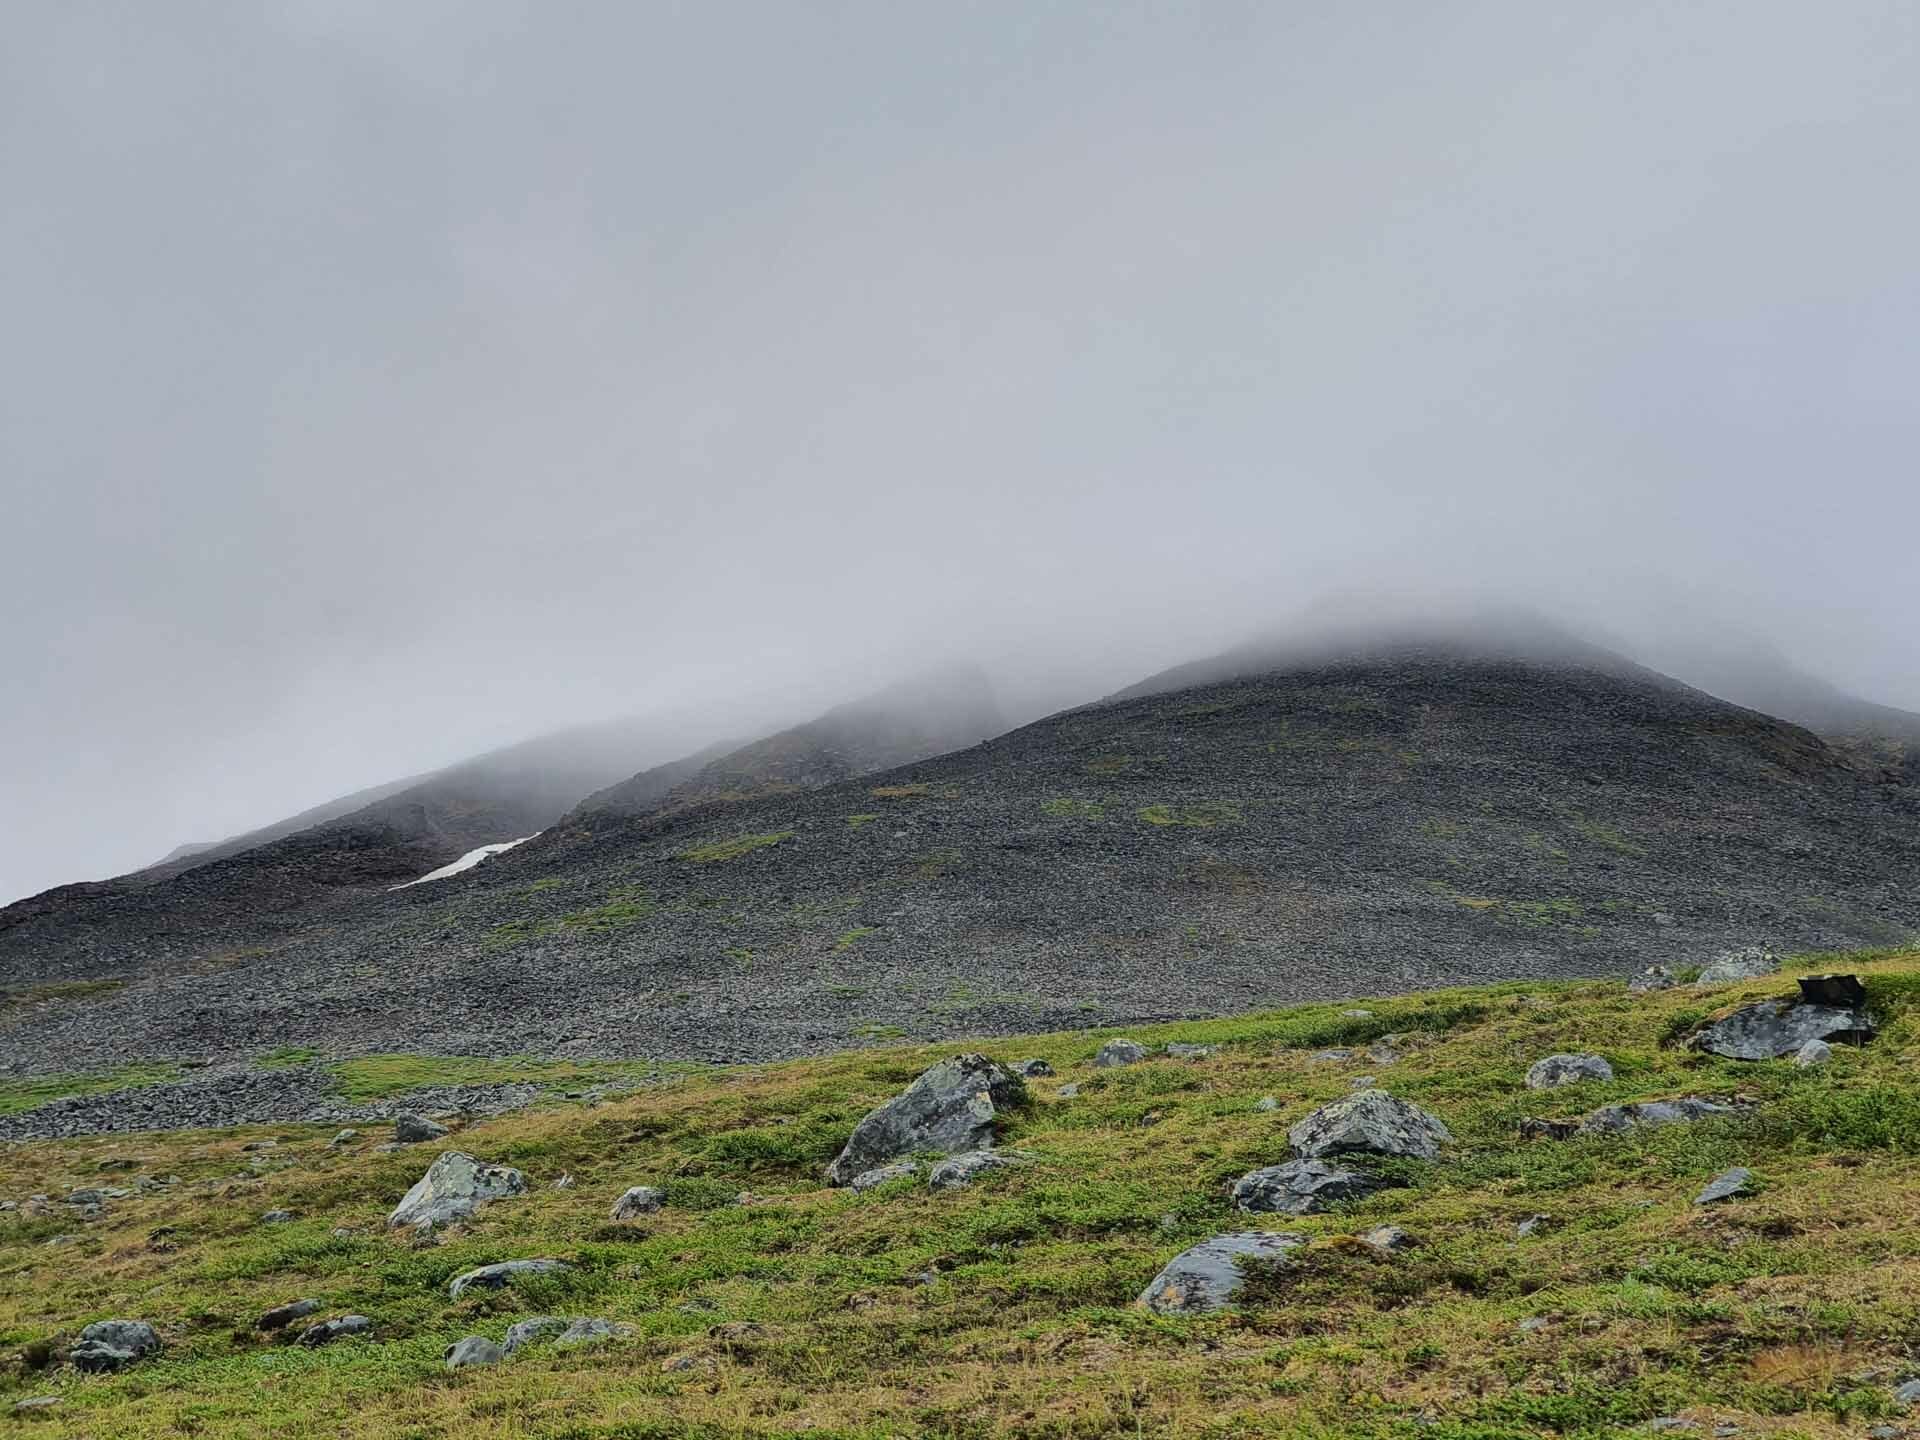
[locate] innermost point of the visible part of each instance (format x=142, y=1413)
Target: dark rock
x=1558, y=1070
x=1370, y=1122
x=1208, y=1276
x=1300, y=1187
x=108, y=1345
x=640, y=1200
x=1120, y=1052
x=1032, y=1069
x=1773, y=1029
x=957, y=1172
x=585, y=1331
x=948, y=1109
x=276, y=1217
x=328, y=1331
x=417, y=1129
x=454, y=1187
x=501, y=1275
x=1725, y=1186
x=1618, y=1119
x=882, y=1174
x=1844, y=991
x=282, y=1316
x=473, y=1350
x=1654, y=977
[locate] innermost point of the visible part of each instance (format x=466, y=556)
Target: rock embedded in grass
x=502, y=1274
x=638, y=1201
x=282, y=1316
x=472, y=1351
x=108, y=1345
x=1775, y=1029
x=584, y=1330
x=1814, y=1052
x=881, y=1175
x=1370, y=1122
x=1750, y=963
x=1726, y=1186
x=533, y=1330
x=1385, y=1240
x=417, y=1129
x=1619, y=1119
x=1116, y=1053
x=949, y=1109
x=1300, y=1187
x=1570, y=1069
x=454, y=1186
x=327, y=1331
x=1209, y=1276
x=957, y=1172
x=1032, y=1069
x=1189, y=1052
x=1653, y=978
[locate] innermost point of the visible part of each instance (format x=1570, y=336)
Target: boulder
x=1906, y=1395
x=949, y=1109
x=1558, y=1070
x=1654, y=977
x=638, y=1201
x=471, y=1351
x=1752, y=963
x=1845, y=991
x=1774, y=1029
x=1814, y=1052
x=417, y=1129
x=1120, y=1052
x=1032, y=1069
x=1370, y=1122
x=327, y=1331
x=107, y=1345
x=881, y=1174
x=534, y=1330
x=1725, y=1186
x=957, y=1172
x=501, y=1275
x=1209, y=1276
x=282, y=1316
x=1300, y=1187
x=455, y=1186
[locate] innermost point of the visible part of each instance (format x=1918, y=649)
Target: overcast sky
x=384, y=381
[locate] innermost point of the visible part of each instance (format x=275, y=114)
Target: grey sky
x=381, y=382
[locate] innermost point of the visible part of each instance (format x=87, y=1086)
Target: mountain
x=1250, y=831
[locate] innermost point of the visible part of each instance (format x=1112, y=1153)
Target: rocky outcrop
x=454, y=1187
x=1370, y=1122
x=947, y=1110
x=1209, y=1276
x=1654, y=977
x=1300, y=1187
x=881, y=1175
x=1774, y=1029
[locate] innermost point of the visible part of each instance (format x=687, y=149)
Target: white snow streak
x=465, y=862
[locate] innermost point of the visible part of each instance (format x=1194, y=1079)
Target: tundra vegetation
x=1533, y=1287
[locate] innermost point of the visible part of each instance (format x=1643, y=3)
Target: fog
x=379, y=384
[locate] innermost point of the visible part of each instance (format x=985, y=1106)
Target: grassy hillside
x=1007, y=1308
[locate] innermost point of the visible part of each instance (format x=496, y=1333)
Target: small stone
x=254, y=1146
x=345, y=1137
x=1814, y=1052
x=1530, y=1226
x=532, y=1331
x=1532, y=1325
x=1266, y=1103
x=1907, y=1394
x=957, y=1172
x=35, y=1403
x=498, y=1277
x=472, y=1351
x=417, y=1129
x=1333, y=1056
x=1356, y=1014
x=282, y=1316
x=585, y=1331
x=1032, y=1069
x=1069, y=1092
x=1558, y=1070
x=276, y=1217
x=327, y=1331
x=1299, y=1187
x=640, y=1200
x=883, y=1174
x=565, y=1182
x=1362, y=1082
x=1751, y=963
x=1654, y=977
x=1388, y=1240
x=1385, y=1051
x=1189, y=1052
x=1120, y=1052
x=675, y=1364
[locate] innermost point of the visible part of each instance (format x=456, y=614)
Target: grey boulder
x=1120, y=1052
x=1774, y=1029
x=327, y=1331
x=113, y=1345
x=1370, y=1122
x=533, y=1330
x=282, y=1316
x=1619, y=1119
x=638, y=1201
x=471, y=1351
x=882, y=1174
x=1751, y=963
x=1654, y=977
x=1558, y=1070
x=1814, y=1052
x=1299, y=1187
x=417, y=1129
x=455, y=1186
x=1209, y=1276
x=584, y=1331
x=948, y=1109
x=498, y=1277
x=1032, y=1069
x=957, y=1172
x=1725, y=1186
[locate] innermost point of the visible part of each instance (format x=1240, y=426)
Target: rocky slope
x=1204, y=844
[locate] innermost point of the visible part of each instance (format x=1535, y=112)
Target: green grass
x=854, y=822
x=380, y=1077
x=1199, y=817
x=287, y=1057
x=1066, y=807
x=847, y=939
x=18, y=1095
x=20, y=996
x=721, y=850
x=1007, y=1309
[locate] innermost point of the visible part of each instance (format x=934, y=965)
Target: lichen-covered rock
x=584, y=1330
x=1300, y=1187
x=1179, y=1051
x=533, y=1329
x=882, y=1174
x=501, y=1275
x=471, y=1351
x=1209, y=1276
x=637, y=1201
x=949, y=1109
x=455, y=1186
x=1814, y=1052
x=1386, y=1240
x=1619, y=1119
x=1725, y=1186
x=417, y=1129
x=1750, y=963
x=1774, y=1029
x=956, y=1172
x=108, y=1345
x=1370, y=1122
x=1120, y=1052
x=1558, y=1070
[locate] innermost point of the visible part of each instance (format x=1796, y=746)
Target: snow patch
x=465, y=862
